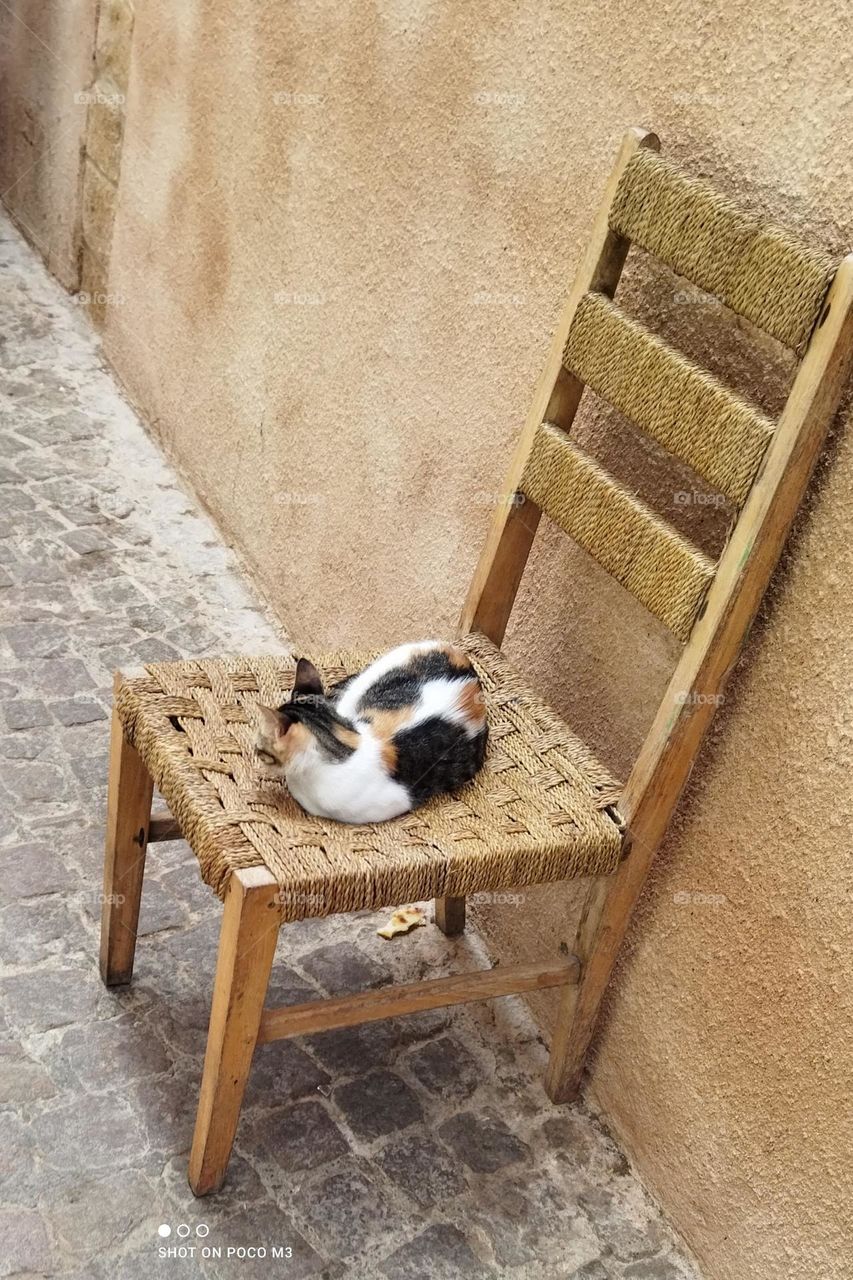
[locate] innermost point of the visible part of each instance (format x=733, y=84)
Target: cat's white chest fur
x=353, y=790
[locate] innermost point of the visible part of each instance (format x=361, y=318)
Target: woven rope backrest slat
x=758, y=269
x=680, y=405
x=646, y=555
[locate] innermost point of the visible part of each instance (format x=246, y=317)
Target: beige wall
x=341, y=241
x=45, y=72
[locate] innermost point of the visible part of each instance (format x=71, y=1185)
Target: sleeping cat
x=409, y=726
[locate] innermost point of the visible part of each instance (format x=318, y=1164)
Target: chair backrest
x=799, y=295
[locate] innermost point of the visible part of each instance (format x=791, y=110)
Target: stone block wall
x=46, y=61
x=102, y=152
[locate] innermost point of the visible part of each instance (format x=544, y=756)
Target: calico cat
x=409, y=726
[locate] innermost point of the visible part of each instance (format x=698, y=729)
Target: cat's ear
x=273, y=724
x=307, y=678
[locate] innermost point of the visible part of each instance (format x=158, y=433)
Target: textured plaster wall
x=45, y=72
x=342, y=237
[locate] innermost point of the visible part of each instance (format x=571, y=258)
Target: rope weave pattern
x=680, y=405
x=536, y=812
x=759, y=270
x=646, y=555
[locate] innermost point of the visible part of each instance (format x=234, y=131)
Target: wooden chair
x=543, y=809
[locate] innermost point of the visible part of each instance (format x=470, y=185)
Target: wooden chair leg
x=450, y=915
x=250, y=925
x=602, y=927
x=128, y=813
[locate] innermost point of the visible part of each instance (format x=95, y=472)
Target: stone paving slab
x=422, y=1147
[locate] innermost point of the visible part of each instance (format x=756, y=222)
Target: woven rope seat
x=536, y=812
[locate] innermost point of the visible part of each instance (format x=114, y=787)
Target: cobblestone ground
x=421, y=1147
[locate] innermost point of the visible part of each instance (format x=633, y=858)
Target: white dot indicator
x=202, y=1229
x=183, y=1230
x=164, y=1230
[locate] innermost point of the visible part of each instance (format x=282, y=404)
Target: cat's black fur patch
x=435, y=756
x=402, y=687
x=318, y=715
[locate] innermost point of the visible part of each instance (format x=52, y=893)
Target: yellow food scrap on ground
x=403, y=921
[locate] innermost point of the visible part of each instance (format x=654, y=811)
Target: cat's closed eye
x=265, y=757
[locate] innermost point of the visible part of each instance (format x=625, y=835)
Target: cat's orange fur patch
x=385, y=723
x=349, y=737
x=471, y=704
x=297, y=739
x=456, y=657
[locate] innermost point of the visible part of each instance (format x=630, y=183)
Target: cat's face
x=279, y=739
x=283, y=734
